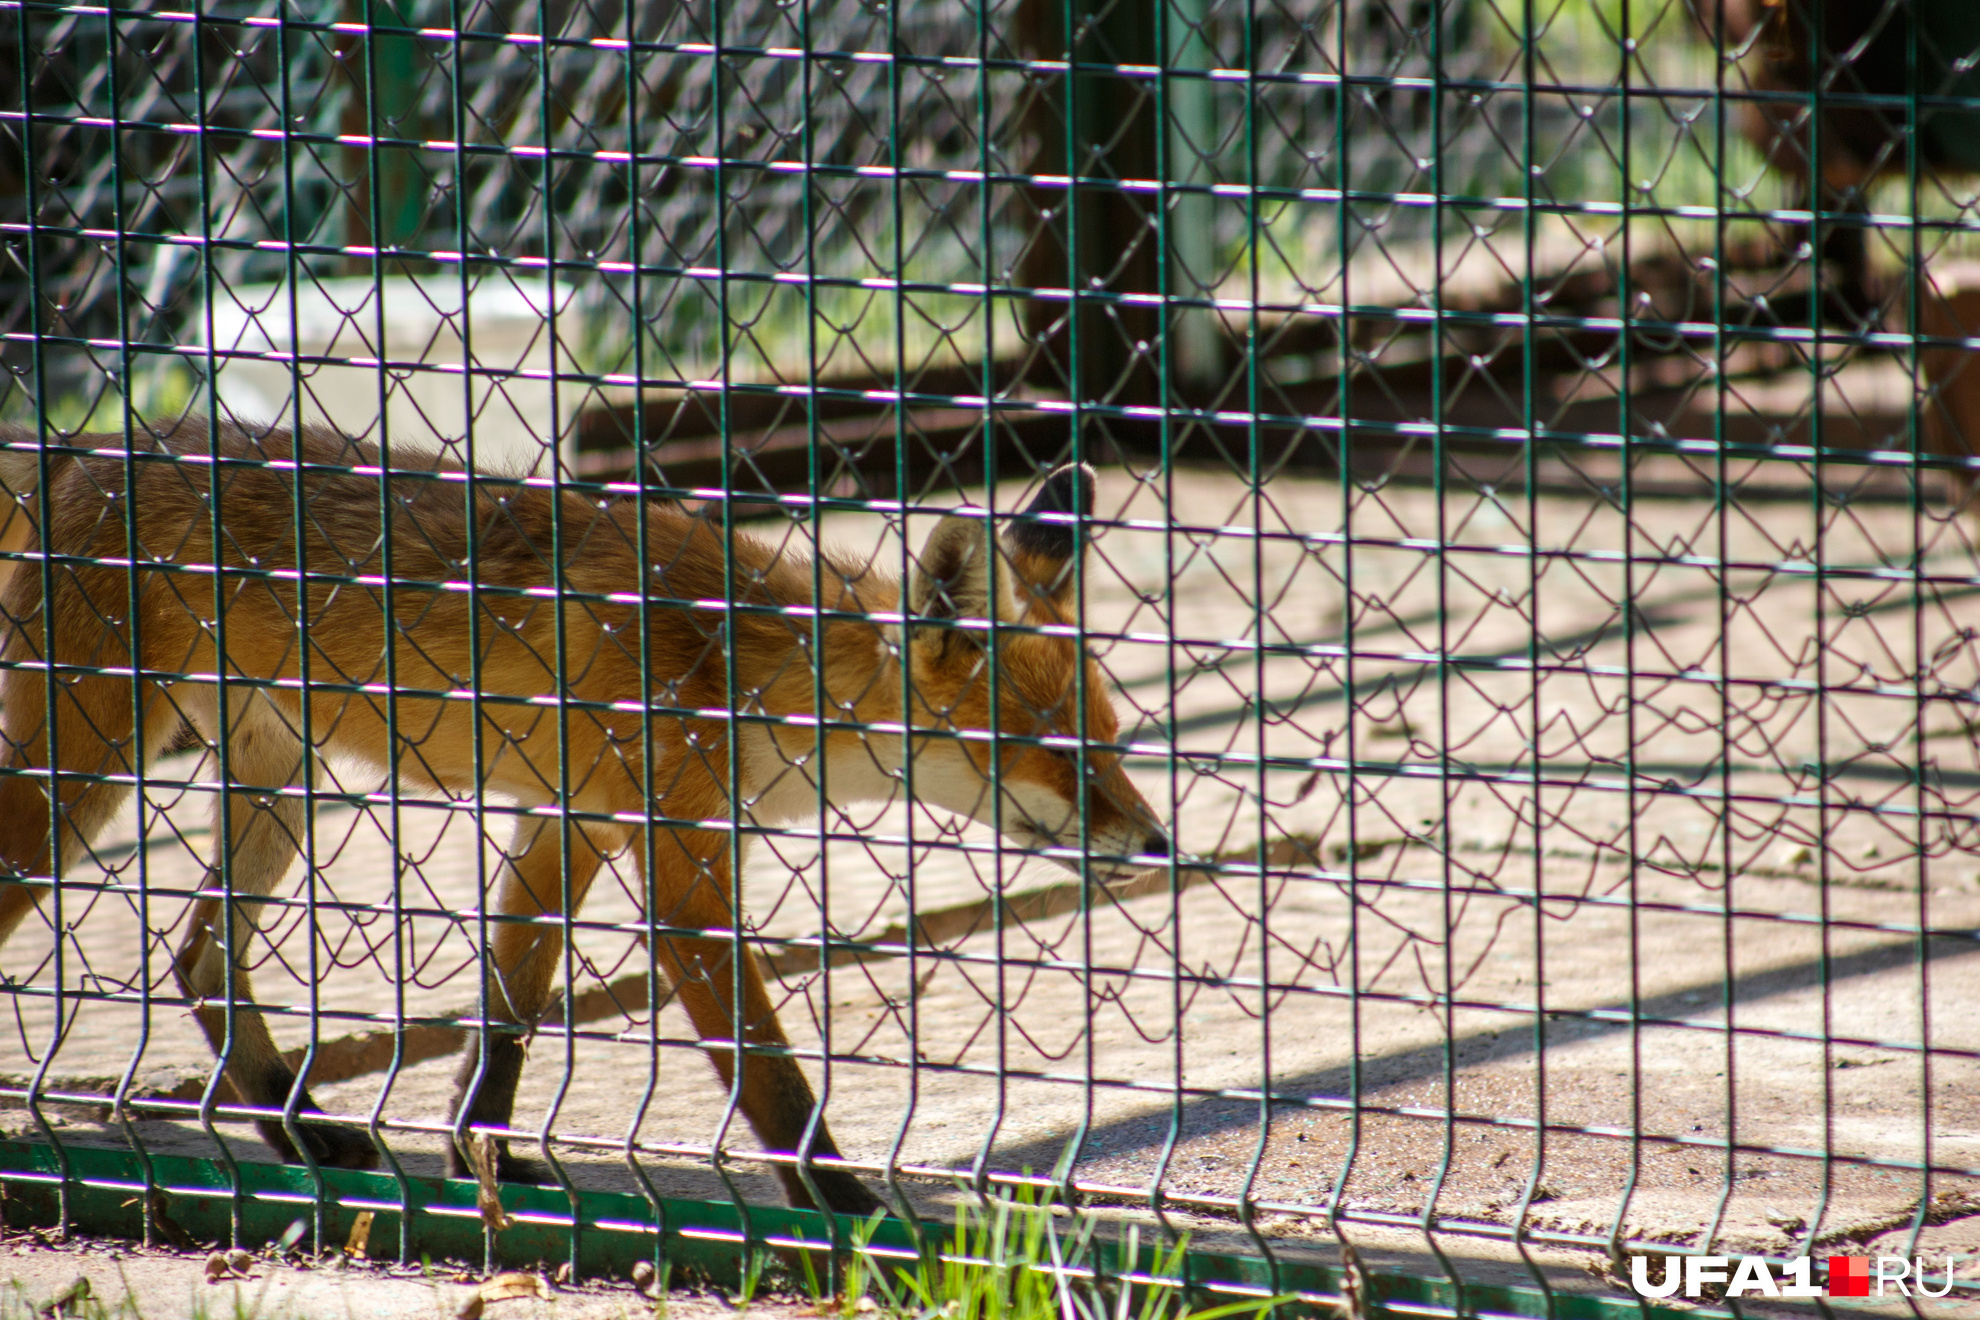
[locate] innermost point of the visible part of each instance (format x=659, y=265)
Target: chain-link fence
x=1480, y=763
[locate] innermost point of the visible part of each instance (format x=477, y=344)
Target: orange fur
x=520, y=566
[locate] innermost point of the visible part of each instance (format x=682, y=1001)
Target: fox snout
x=1119, y=836
x=1106, y=862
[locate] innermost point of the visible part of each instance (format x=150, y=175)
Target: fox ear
x=1042, y=542
x=951, y=578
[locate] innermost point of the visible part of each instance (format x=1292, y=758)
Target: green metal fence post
x=1108, y=248
x=1198, y=360
x=383, y=101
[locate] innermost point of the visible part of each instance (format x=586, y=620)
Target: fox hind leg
x=264, y=828
x=91, y=738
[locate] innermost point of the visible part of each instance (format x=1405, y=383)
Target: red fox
x=730, y=650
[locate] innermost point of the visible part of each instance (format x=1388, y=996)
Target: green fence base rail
x=104, y=1192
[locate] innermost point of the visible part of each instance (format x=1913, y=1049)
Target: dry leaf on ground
x=487, y=1194
x=501, y=1288
x=360, y=1237
x=70, y=1298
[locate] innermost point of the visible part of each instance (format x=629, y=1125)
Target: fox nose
x=1156, y=845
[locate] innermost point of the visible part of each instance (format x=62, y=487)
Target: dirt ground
x=1463, y=997
x=134, y=1283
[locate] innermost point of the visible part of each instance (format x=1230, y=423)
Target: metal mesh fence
x=1479, y=764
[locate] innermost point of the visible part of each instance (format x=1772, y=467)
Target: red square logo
x=1849, y=1276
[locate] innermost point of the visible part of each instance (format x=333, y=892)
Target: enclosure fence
x=1306, y=623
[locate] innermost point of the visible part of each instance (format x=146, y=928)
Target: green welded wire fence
x=1341, y=624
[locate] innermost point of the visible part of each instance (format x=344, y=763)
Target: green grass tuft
x=1022, y=1258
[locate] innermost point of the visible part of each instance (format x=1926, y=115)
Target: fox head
x=1035, y=710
